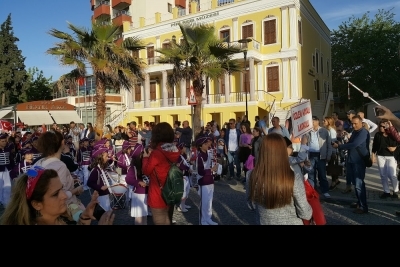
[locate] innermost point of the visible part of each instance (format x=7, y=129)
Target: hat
x=26, y=151
x=202, y=140
x=99, y=152
x=3, y=136
x=351, y=112
x=126, y=145
x=315, y=118
x=100, y=142
x=288, y=142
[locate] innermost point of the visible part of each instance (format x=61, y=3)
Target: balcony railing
x=107, y=3
x=225, y=2
x=118, y=13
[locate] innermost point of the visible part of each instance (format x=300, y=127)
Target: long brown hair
x=272, y=179
x=331, y=123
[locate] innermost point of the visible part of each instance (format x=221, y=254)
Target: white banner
x=301, y=118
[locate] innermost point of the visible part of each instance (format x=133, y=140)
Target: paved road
x=229, y=206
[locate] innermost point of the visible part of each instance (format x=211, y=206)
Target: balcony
x=120, y=16
x=92, y=4
x=181, y=3
x=102, y=10
x=118, y=39
x=121, y=4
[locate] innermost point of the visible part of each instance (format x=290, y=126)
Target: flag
x=5, y=125
x=81, y=81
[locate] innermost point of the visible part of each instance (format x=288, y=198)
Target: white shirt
x=233, y=141
x=372, y=126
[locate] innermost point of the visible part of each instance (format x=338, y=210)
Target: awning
x=4, y=113
x=65, y=116
x=36, y=117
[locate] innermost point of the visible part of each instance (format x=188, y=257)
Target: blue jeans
x=235, y=161
x=318, y=165
x=357, y=174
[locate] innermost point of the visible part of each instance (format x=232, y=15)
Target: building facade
x=288, y=58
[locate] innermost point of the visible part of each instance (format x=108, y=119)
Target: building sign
x=192, y=97
x=195, y=19
x=44, y=105
x=301, y=118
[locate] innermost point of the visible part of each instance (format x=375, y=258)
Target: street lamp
x=245, y=41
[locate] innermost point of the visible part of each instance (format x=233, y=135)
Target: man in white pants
x=6, y=165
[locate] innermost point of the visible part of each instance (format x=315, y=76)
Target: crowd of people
x=48, y=170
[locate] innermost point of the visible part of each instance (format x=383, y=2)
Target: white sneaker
x=211, y=222
x=182, y=210
x=173, y=222
x=326, y=195
x=188, y=207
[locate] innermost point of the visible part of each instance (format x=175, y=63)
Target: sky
x=32, y=21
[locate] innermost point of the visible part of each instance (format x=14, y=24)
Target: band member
x=6, y=165
x=98, y=176
x=22, y=166
x=84, y=160
x=184, y=166
x=137, y=149
x=206, y=180
x=34, y=150
x=138, y=190
x=124, y=160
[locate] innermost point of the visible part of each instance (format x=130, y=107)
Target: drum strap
x=104, y=177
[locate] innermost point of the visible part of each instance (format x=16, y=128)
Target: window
x=153, y=91
x=166, y=45
x=313, y=61
x=247, y=31
x=187, y=87
x=270, y=31
x=150, y=55
x=316, y=88
x=222, y=85
x=246, y=82
x=225, y=35
x=273, y=79
x=135, y=54
x=322, y=64
x=327, y=68
x=169, y=8
x=316, y=61
x=138, y=92
x=300, y=32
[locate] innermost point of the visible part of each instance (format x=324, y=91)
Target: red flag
x=81, y=81
x=5, y=125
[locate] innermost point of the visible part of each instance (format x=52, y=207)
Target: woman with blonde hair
x=278, y=195
x=39, y=199
x=329, y=124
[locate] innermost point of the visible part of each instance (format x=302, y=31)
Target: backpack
x=172, y=191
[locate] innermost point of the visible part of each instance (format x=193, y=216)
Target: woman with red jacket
x=156, y=164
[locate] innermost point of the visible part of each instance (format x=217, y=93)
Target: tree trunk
x=197, y=115
x=100, y=108
x=3, y=99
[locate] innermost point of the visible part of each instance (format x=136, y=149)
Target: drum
x=119, y=189
x=114, y=176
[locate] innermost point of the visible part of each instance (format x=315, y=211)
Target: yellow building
x=288, y=58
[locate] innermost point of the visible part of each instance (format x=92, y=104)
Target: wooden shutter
x=222, y=85
x=273, y=79
x=225, y=36
x=138, y=92
x=270, y=32
x=300, y=32
x=150, y=55
x=153, y=91
x=166, y=45
x=247, y=31
x=135, y=54
x=187, y=87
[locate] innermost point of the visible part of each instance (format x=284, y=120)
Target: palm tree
x=199, y=55
x=112, y=64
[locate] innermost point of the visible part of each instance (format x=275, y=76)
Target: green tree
x=13, y=76
x=365, y=51
x=40, y=87
x=199, y=56
x=112, y=64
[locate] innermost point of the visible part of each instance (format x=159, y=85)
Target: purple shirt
x=132, y=179
x=245, y=138
x=96, y=182
x=123, y=162
x=204, y=170
x=136, y=150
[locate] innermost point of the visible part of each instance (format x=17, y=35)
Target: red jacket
x=157, y=162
